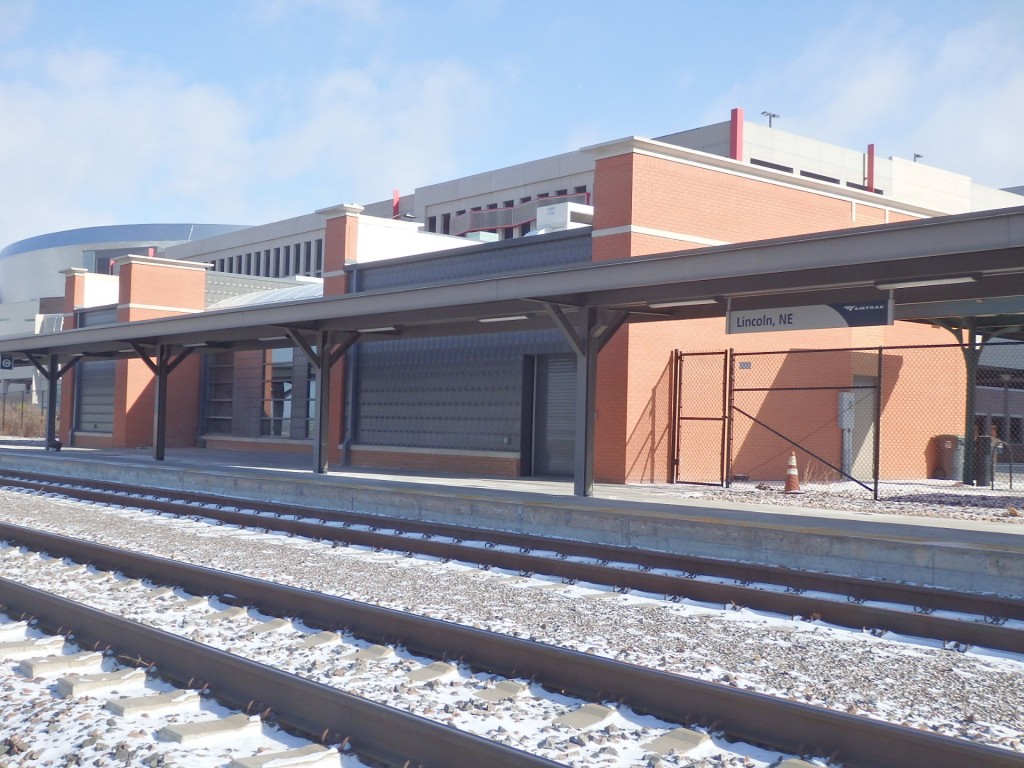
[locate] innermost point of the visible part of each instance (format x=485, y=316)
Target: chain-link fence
x=883, y=420
x=23, y=413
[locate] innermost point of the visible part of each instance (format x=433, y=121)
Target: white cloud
x=90, y=138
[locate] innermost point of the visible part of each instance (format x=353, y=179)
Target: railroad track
x=959, y=620
x=393, y=737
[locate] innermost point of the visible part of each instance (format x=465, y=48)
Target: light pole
x=770, y=116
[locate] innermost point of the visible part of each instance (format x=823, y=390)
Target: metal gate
x=739, y=415
x=699, y=442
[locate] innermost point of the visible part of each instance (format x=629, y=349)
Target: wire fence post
x=878, y=422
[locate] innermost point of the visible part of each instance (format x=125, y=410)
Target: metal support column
x=53, y=373
x=586, y=390
x=51, y=404
x=161, y=369
x=322, y=404
x=323, y=357
x=587, y=338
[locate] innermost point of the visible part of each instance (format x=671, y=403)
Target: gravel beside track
x=969, y=695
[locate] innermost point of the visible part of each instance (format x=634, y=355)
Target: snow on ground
x=971, y=695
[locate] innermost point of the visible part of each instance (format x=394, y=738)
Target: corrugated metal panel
x=554, y=443
x=460, y=393
x=505, y=257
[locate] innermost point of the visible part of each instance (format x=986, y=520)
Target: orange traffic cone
x=792, y=476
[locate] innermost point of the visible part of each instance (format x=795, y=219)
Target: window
x=446, y=224
x=319, y=271
x=288, y=395
x=220, y=373
x=431, y=223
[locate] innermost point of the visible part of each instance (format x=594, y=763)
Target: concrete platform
x=956, y=554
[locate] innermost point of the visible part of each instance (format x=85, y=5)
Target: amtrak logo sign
x=810, y=317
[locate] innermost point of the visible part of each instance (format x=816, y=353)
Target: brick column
x=74, y=296
x=341, y=245
x=151, y=288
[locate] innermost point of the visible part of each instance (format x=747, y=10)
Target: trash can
x=983, y=459
x=951, y=457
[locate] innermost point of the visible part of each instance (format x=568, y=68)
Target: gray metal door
x=94, y=381
x=554, y=393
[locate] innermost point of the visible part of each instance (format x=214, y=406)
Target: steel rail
x=757, y=718
x=375, y=731
x=919, y=623
x=929, y=598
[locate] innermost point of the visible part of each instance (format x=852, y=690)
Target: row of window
x=281, y=261
x=517, y=225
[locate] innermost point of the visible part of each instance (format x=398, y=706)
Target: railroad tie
x=429, y=672
x=15, y=650
x=585, y=717
x=371, y=652
x=126, y=584
x=54, y=665
x=503, y=691
x=234, y=612
x=80, y=685
x=320, y=638
x=153, y=703
x=678, y=740
x=273, y=625
x=13, y=628
x=188, y=733
x=189, y=602
x=312, y=756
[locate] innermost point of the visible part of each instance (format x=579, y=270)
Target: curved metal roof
x=119, y=233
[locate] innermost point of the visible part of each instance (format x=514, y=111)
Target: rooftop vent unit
x=562, y=216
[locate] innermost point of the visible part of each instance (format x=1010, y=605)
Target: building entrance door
x=554, y=401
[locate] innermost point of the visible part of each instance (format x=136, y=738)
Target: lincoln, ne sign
x=811, y=317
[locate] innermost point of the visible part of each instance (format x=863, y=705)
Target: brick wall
x=638, y=196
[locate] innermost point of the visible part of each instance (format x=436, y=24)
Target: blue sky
x=251, y=111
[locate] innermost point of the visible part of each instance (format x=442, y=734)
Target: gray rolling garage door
x=554, y=441
x=94, y=381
